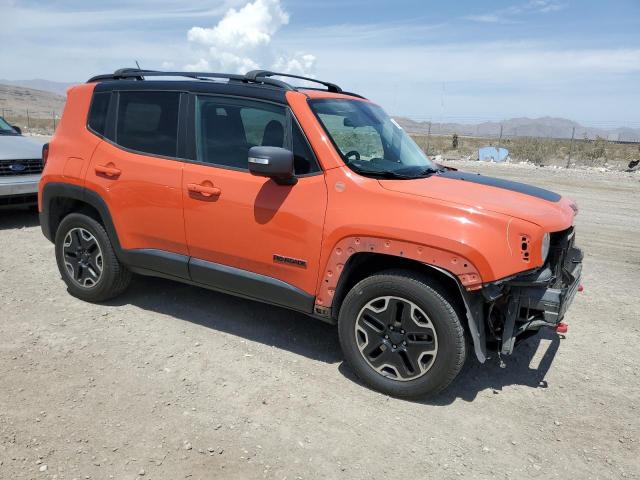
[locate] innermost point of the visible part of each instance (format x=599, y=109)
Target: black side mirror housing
x=18, y=130
x=273, y=162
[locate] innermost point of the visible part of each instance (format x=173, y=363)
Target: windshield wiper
x=383, y=173
x=429, y=171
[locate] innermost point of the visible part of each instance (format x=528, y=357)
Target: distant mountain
x=550, y=127
x=14, y=101
x=59, y=88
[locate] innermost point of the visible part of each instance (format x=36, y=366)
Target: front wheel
x=400, y=335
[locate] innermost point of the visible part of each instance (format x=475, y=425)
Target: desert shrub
x=598, y=150
x=534, y=150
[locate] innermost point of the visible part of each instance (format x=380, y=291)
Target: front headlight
x=546, y=243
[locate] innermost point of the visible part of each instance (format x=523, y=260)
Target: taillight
x=45, y=154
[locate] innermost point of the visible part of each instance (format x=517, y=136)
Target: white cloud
x=506, y=15
x=298, y=64
x=242, y=41
x=251, y=26
x=485, y=18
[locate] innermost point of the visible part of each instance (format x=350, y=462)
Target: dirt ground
x=172, y=382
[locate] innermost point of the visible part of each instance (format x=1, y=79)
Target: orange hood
x=546, y=209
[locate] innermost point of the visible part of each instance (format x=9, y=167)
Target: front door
x=247, y=234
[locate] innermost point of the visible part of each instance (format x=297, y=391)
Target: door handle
x=206, y=190
x=109, y=170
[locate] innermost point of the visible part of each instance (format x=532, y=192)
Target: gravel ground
x=171, y=381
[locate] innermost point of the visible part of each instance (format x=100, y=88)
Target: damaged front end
x=508, y=311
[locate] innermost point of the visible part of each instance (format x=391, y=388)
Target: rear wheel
x=86, y=260
x=400, y=335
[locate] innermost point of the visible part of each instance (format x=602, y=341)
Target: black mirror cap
x=18, y=130
x=273, y=162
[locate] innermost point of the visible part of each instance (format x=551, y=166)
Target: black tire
x=114, y=277
x=450, y=343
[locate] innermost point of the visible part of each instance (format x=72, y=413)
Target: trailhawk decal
x=289, y=261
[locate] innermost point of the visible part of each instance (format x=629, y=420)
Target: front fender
x=458, y=266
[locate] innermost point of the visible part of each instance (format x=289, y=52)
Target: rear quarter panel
x=72, y=144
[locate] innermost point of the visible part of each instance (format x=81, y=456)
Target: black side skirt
x=222, y=278
x=250, y=285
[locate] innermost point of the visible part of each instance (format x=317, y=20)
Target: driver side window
x=227, y=128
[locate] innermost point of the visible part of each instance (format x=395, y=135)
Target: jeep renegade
x=312, y=199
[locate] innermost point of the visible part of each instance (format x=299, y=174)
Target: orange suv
x=311, y=199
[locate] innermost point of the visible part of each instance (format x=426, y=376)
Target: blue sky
x=451, y=61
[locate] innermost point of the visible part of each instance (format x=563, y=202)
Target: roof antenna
x=138, y=65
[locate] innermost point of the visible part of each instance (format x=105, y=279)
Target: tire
x=434, y=348
x=94, y=276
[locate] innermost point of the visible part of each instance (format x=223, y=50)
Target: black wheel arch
x=60, y=199
x=469, y=305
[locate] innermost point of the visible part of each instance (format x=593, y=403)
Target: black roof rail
x=255, y=76
x=137, y=74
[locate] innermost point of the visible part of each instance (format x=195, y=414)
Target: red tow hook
x=562, y=327
x=580, y=288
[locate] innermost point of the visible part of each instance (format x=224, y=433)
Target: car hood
x=15, y=147
x=547, y=209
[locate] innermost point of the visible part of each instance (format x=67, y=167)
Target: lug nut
x=402, y=332
x=387, y=337
x=391, y=327
x=394, y=346
x=404, y=343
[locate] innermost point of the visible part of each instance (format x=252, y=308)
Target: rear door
x=136, y=171
x=268, y=234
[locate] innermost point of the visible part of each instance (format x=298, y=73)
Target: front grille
x=20, y=167
x=16, y=200
x=560, y=259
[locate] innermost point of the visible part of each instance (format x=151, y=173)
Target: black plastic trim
x=148, y=261
x=250, y=285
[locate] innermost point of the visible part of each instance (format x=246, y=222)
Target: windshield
x=5, y=127
x=370, y=142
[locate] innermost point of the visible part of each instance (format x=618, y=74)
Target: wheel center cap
x=395, y=337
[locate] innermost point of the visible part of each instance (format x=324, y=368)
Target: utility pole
x=573, y=134
x=428, y=139
x=53, y=116
x=28, y=120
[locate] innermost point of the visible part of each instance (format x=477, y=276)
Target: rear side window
x=147, y=122
x=98, y=113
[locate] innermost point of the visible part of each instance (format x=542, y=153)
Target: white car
x=20, y=167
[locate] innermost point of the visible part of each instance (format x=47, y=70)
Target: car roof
x=261, y=92
x=259, y=84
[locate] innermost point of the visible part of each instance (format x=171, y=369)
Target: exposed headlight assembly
x=546, y=243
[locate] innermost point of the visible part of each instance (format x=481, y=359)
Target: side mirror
x=18, y=130
x=272, y=162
